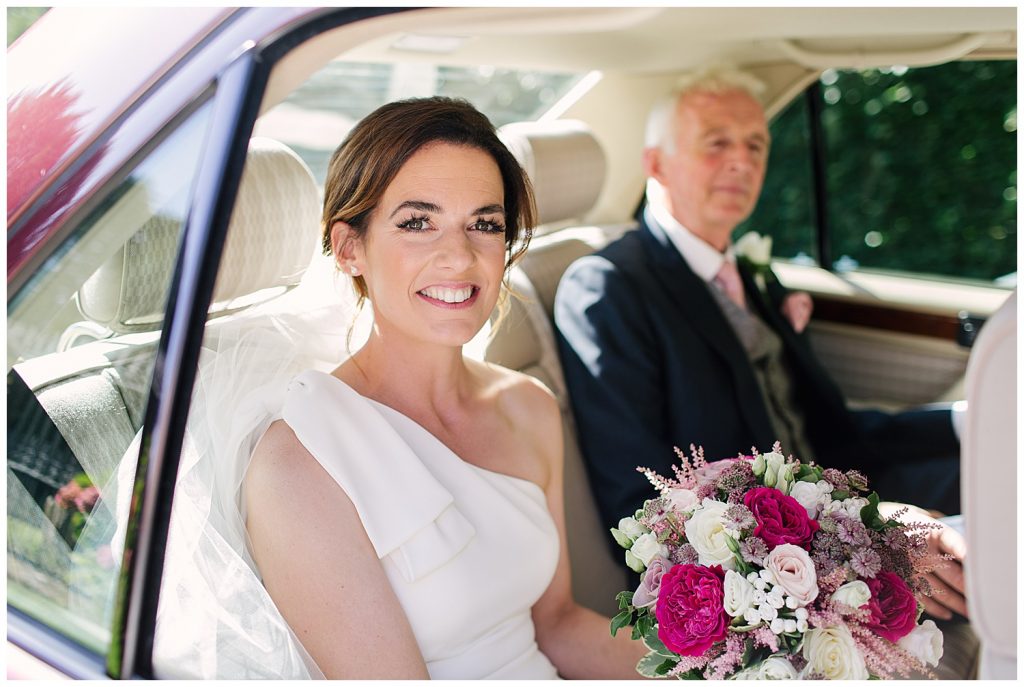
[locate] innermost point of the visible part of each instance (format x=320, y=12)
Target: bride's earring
x=353, y=270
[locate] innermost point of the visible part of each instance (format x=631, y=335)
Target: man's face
x=713, y=176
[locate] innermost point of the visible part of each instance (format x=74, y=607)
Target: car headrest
x=564, y=161
x=271, y=239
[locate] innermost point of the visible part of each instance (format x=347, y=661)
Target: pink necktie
x=728, y=279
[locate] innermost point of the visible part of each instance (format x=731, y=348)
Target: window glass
x=785, y=210
x=82, y=339
x=921, y=172
x=315, y=118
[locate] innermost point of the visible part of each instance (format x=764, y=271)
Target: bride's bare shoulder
x=280, y=462
x=527, y=403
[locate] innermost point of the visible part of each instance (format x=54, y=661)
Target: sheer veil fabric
x=215, y=619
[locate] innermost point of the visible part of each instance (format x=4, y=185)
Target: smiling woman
x=371, y=490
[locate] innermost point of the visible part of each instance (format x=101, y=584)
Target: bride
x=405, y=513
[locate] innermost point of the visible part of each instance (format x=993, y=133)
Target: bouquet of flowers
x=762, y=567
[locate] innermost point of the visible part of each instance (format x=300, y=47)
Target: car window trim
x=53, y=648
x=819, y=180
x=239, y=92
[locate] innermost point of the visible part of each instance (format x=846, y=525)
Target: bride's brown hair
x=370, y=157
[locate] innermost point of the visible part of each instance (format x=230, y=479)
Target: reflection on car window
x=315, y=118
x=921, y=171
x=82, y=337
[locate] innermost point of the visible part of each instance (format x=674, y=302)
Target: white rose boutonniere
x=755, y=251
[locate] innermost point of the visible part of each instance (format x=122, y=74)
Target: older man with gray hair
x=667, y=342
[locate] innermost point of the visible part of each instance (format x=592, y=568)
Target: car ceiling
x=650, y=40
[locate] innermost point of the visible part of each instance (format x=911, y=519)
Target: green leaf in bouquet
x=625, y=599
x=620, y=538
x=621, y=620
x=645, y=623
x=808, y=473
x=870, y=516
x=654, y=643
x=654, y=665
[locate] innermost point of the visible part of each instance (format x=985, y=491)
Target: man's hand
x=797, y=308
x=947, y=580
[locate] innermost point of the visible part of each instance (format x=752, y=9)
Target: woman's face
x=434, y=253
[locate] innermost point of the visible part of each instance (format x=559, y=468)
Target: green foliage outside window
x=19, y=19
x=921, y=171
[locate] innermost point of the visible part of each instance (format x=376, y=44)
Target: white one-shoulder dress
x=467, y=550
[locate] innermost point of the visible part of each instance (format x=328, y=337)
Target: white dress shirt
x=703, y=259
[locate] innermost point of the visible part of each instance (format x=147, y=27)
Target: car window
x=82, y=342
x=919, y=174
x=317, y=116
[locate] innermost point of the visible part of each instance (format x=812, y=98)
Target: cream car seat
x=94, y=393
x=988, y=455
x=566, y=164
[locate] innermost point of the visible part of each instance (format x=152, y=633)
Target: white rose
x=776, y=668
x=647, y=547
x=768, y=465
x=830, y=652
x=631, y=528
x=794, y=572
x=854, y=506
x=738, y=594
x=754, y=247
x=854, y=594
x=808, y=495
x=772, y=668
x=683, y=500
x=706, y=534
x=924, y=643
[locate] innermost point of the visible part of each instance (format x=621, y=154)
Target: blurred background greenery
x=920, y=172
x=19, y=19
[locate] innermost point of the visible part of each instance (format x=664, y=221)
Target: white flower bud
x=647, y=547
x=792, y=603
x=778, y=626
x=854, y=594
x=752, y=616
x=800, y=613
x=631, y=528
x=768, y=613
x=801, y=626
x=790, y=625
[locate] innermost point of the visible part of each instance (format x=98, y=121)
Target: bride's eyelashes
x=420, y=223
x=489, y=226
x=415, y=223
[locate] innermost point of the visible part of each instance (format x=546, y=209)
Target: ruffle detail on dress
x=407, y=514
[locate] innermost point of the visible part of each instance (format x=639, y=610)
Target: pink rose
x=780, y=518
x=794, y=572
x=647, y=593
x=690, y=611
x=892, y=605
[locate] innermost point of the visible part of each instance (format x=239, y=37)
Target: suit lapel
x=690, y=294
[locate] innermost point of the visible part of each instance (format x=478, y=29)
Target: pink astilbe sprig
x=721, y=667
x=883, y=658
x=686, y=471
x=763, y=636
x=830, y=582
x=688, y=663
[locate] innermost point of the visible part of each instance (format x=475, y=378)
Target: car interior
x=79, y=379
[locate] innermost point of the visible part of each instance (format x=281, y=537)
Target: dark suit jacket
x=652, y=363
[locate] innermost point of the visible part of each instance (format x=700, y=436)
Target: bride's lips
x=450, y=296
